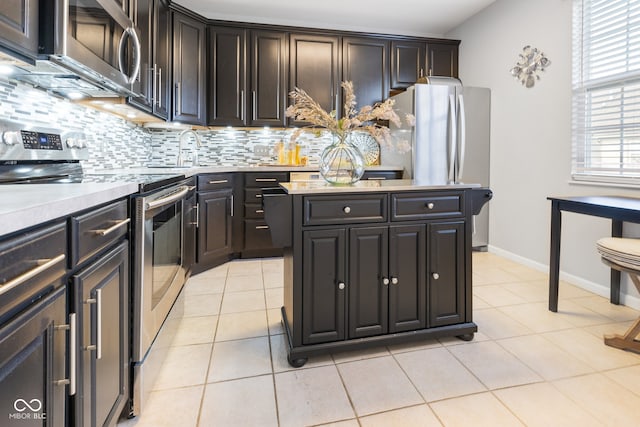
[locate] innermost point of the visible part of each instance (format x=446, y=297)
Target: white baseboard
x=628, y=300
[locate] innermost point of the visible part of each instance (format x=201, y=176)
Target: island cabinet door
x=324, y=283
x=446, y=297
x=407, y=277
x=367, y=287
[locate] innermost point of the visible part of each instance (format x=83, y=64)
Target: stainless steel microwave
x=94, y=39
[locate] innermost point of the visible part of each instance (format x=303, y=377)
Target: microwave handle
x=129, y=32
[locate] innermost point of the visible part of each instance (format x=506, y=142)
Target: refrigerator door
x=433, y=152
x=473, y=156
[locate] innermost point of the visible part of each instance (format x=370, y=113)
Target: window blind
x=606, y=91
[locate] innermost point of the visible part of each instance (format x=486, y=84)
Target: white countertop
x=28, y=205
x=323, y=187
x=24, y=206
x=194, y=170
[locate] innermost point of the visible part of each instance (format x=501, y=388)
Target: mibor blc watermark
x=27, y=410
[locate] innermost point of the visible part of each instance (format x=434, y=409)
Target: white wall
x=531, y=139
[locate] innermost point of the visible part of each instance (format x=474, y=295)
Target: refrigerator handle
x=463, y=138
x=453, y=141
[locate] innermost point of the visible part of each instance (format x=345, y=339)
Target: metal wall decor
x=530, y=63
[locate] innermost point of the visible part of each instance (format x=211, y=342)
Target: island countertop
x=322, y=187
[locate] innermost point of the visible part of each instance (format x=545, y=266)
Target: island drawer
x=98, y=229
x=215, y=181
x=416, y=206
x=264, y=179
x=322, y=210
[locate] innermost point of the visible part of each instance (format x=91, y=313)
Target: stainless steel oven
x=160, y=274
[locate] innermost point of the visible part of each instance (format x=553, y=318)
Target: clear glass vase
x=341, y=162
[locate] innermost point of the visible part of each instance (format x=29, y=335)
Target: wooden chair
x=623, y=254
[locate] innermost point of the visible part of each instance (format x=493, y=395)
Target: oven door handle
x=169, y=199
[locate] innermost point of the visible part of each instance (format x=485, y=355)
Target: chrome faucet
x=194, y=148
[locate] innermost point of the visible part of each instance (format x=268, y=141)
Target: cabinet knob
x=435, y=276
x=394, y=280
x=341, y=285
x=346, y=209
x=430, y=205
x=385, y=281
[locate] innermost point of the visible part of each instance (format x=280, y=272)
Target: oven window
x=167, y=253
x=92, y=27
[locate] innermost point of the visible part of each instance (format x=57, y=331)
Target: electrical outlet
x=262, y=150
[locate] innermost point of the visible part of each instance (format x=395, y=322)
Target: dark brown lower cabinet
x=360, y=274
x=378, y=288
x=446, y=277
x=32, y=365
x=215, y=225
x=101, y=302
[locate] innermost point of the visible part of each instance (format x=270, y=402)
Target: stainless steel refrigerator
x=450, y=139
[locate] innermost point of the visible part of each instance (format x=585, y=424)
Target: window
x=606, y=91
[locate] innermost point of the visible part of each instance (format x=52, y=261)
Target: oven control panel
x=20, y=142
x=41, y=141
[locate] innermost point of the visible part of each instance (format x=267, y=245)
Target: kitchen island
x=374, y=263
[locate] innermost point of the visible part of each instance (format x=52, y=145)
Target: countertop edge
x=41, y=203
x=367, y=186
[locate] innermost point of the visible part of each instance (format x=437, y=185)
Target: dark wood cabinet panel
x=101, y=303
x=32, y=357
x=365, y=62
x=314, y=64
x=19, y=26
x=407, y=276
x=189, y=68
x=162, y=59
x=442, y=59
x=227, y=76
x=324, y=286
x=215, y=225
x=367, y=289
x=269, y=54
x=446, y=281
x=407, y=63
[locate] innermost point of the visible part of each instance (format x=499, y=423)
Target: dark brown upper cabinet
x=162, y=45
x=269, y=55
x=314, y=65
x=365, y=62
x=227, y=76
x=189, y=68
x=407, y=63
x=248, y=75
x=19, y=27
x=442, y=59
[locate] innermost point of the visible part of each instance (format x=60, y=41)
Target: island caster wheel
x=466, y=337
x=296, y=363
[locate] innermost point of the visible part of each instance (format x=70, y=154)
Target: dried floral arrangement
x=367, y=118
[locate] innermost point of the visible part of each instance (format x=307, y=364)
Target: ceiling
x=428, y=18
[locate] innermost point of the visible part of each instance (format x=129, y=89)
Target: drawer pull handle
x=262, y=227
x=377, y=178
x=346, y=209
x=341, y=285
x=430, y=205
x=385, y=281
x=73, y=341
x=98, y=302
x=43, y=265
x=258, y=196
x=219, y=181
x=112, y=228
x=394, y=280
x=266, y=179
x=259, y=211
x=435, y=276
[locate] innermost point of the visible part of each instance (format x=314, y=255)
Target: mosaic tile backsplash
x=117, y=143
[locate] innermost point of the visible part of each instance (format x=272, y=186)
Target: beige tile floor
x=526, y=366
